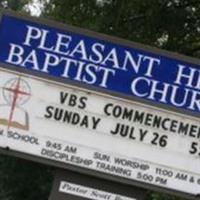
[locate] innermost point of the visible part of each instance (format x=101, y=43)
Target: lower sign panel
x=99, y=133
x=75, y=186
x=88, y=193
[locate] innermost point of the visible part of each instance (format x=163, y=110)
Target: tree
x=169, y=24
x=24, y=180
x=16, y=5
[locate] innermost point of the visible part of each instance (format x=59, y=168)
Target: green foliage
x=157, y=196
x=16, y=5
x=170, y=24
x=24, y=180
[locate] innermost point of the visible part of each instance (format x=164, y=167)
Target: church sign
x=97, y=104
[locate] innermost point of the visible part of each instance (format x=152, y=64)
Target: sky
x=35, y=7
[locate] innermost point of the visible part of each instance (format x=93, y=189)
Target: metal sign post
x=75, y=186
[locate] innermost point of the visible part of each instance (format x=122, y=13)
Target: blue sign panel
x=101, y=63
